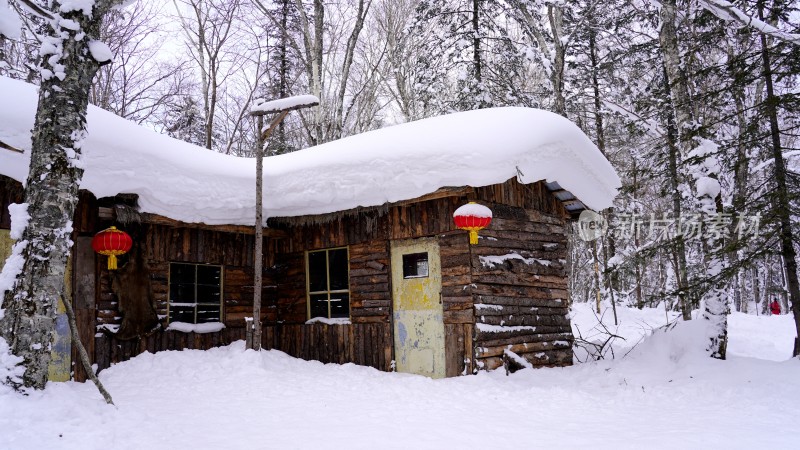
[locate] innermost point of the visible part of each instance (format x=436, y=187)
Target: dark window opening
x=195, y=293
x=415, y=265
x=328, y=275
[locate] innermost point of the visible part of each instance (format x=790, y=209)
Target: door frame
x=425, y=316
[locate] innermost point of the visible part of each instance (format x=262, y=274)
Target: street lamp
x=260, y=109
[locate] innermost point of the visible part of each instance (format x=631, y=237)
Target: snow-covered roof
x=188, y=183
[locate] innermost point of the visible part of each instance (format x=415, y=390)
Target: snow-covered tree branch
x=730, y=13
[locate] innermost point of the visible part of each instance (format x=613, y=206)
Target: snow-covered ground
x=663, y=394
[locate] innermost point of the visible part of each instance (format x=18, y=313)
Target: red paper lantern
x=473, y=218
x=112, y=242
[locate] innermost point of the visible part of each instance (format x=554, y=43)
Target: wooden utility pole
x=282, y=107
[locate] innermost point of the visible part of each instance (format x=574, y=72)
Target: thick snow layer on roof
x=188, y=183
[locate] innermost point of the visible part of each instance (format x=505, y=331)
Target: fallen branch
x=597, y=349
x=87, y=365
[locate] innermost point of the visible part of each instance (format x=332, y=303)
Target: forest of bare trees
x=695, y=103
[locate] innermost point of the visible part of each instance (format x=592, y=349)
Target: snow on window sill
x=211, y=327
x=110, y=328
x=326, y=321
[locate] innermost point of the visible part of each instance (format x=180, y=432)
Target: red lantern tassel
x=473, y=237
x=112, y=261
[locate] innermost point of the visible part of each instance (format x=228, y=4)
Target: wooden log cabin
x=388, y=283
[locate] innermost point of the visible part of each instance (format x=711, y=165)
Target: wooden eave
x=155, y=219
x=572, y=204
x=380, y=209
x=461, y=191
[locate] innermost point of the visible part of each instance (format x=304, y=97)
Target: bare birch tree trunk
x=555, y=17
x=259, y=237
x=679, y=246
x=741, y=178
x=361, y=14
x=312, y=41
x=52, y=188
x=557, y=56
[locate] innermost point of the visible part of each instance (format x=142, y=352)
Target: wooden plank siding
x=477, y=297
x=359, y=343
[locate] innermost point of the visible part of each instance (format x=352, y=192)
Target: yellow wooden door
x=417, y=306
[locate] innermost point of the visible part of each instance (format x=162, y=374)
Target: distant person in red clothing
x=775, y=308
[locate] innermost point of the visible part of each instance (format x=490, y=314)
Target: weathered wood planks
x=525, y=292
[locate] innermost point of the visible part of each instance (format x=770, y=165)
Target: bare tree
x=398, y=70
x=362, y=9
x=548, y=34
x=139, y=83
x=210, y=29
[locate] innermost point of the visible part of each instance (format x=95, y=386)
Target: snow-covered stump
x=67, y=70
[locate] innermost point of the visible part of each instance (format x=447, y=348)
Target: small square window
x=415, y=265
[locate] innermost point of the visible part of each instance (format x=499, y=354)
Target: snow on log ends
x=487, y=328
x=284, y=103
x=185, y=182
x=491, y=261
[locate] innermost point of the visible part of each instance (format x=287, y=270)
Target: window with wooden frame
x=328, y=283
x=195, y=293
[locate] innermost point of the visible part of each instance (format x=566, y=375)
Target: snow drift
x=231, y=398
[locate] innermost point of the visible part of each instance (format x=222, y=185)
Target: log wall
x=366, y=341
x=360, y=343
x=519, y=302
x=529, y=221
x=519, y=287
